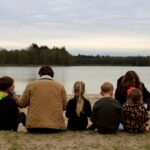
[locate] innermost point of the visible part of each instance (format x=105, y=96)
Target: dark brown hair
x=46, y=70
x=131, y=79
x=6, y=82
x=135, y=97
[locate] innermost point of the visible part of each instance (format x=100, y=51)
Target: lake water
x=93, y=76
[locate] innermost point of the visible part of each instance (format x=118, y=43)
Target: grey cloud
x=73, y=17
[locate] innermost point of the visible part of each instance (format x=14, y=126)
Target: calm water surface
x=93, y=76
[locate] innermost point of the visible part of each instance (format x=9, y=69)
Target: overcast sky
x=76, y=24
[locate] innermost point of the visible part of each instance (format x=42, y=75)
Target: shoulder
x=127, y=106
x=105, y=99
x=112, y=101
x=45, y=81
x=142, y=106
x=116, y=101
x=58, y=84
x=98, y=102
x=72, y=101
x=30, y=84
x=86, y=100
x=9, y=100
x=119, y=81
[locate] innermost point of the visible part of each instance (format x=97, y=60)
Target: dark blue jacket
x=8, y=114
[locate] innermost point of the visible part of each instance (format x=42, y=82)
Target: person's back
x=9, y=112
x=131, y=79
x=46, y=99
x=135, y=114
x=46, y=106
x=106, y=114
x=78, y=108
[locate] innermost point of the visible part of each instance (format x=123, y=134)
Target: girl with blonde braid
x=78, y=109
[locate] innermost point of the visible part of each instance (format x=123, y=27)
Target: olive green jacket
x=106, y=114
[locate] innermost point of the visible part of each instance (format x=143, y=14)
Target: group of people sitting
x=46, y=99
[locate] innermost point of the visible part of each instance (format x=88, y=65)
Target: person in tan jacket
x=46, y=100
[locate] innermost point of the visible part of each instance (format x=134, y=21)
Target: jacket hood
x=3, y=95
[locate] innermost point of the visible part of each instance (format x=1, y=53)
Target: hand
x=16, y=98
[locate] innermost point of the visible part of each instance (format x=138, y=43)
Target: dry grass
x=71, y=140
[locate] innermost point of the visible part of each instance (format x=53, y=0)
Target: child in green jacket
x=106, y=114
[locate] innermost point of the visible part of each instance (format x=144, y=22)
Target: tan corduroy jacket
x=46, y=99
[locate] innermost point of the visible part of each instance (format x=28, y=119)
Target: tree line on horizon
x=40, y=55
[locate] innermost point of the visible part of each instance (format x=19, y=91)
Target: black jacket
x=8, y=114
x=76, y=122
x=121, y=95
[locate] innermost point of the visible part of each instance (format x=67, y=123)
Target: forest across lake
x=39, y=55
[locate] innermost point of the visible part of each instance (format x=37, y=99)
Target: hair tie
x=130, y=89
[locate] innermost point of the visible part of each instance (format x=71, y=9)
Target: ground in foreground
x=69, y=140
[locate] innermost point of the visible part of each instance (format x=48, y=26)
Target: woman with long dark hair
x=129, y=80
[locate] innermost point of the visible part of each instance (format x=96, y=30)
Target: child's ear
x=10, y=89
x=111, y=94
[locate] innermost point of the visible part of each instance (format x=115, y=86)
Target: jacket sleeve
x=146, y=96
x=15, y=113
x=64, y=98
x=25, y=98
x=69, y=109
x=145, y=115
x=120, y=112
x=93, y=119
x=88, y=109
x=119, y=94
x=93, y=115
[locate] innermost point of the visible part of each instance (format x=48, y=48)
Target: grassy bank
x=69, y=140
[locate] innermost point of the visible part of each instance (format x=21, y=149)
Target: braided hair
x=79, y=89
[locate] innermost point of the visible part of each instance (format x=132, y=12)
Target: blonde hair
x=79, y=89
x=107, y=87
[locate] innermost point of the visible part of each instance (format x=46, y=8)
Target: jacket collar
x=46, y=77
x=3, y=95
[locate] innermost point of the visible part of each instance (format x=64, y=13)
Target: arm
x=69, y=110
x=146, y=96
x=93, y=119
x=13, y=114
x=24, y=100
x=93, y=115
x=119, y=111
x=64, y=98
x=120, y=96
x=120, y=115
x=88, y=109
x=145, y=115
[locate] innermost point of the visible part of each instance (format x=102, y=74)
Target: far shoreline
x=71, y=65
